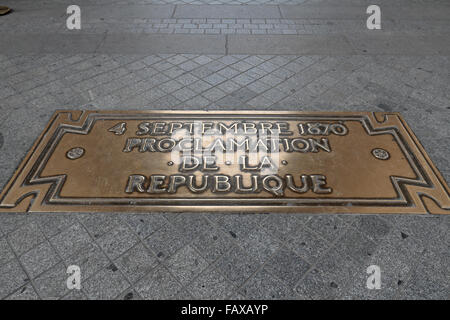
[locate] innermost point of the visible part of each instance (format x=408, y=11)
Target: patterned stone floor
x=220, y=255
x=223, y=26
x=224, y=2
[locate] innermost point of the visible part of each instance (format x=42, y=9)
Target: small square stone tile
x=236, y=265
x=397, y=255
x=214, y=79
x=136, y=262
x=53, y=224
x=283, y=226
x=201, y=72
x=210, y=284
x=271, y=80
x=283, y=73
x=129, y=295
x=144, y=225
x=188, y=65
x=71, y=240
x=197, y=102
x=256, y=73
x=429, y=280
x=253, y=60
x=274, y=95
x=243, y=79
x=215, y=65
x=6, y=253
x=183, y=294
x=330, y=278
x=162, y=65
x=268, y=66
x=258, y=86
x=158, y=285
x=229, y=86
x=202, y=60
x=280, y=60
x=244, y=94
x=199, y=86
x=117, y=241
x=170, y=216
x=375, y=228
x=170, y=86
x=12, y=277
x=167, y=102
x=242, y=66
x=75, y=294
x=214, y=94
x=176, y=59
x=39, y=259
x=237, y=225
x=228, y=72
x=421, y=227
x=228, y=59
x=151, y=60
x=184, y=94
x=318, y=285
x=260, y=102
x=174, y=72
x=106, y=284
x=287, y=266
x=165, y=242
x=25, y=238
x=52, y=284
x=186, y=264
x=263, y=286
x=186, y=79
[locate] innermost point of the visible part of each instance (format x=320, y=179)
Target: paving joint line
x=107, y=256
x=31, y=280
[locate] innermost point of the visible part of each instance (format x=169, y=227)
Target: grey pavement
x=331, y=63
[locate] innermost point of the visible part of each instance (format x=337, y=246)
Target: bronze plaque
x=256, y=161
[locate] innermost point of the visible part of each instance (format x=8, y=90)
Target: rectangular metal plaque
x=256, y=161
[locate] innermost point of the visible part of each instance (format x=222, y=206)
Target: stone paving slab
x=320, y=28
x=226, y=11
x=223, y=26
x=216, y=43
x=397, y=3
x=290, y=44
x=141, y=44
x=134, y=11
x=358, y=11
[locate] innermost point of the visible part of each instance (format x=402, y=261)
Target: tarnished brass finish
x=308, y=162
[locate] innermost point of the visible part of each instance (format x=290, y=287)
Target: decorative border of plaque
x=30, y=191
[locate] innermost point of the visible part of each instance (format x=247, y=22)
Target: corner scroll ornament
x=433, y=197
x=19, y=196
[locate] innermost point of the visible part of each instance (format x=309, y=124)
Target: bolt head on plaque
x=381, y=154
x=75, y=153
